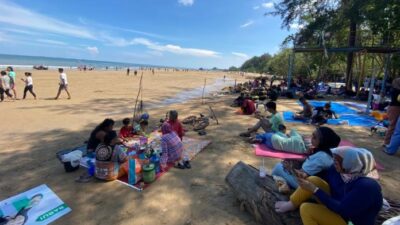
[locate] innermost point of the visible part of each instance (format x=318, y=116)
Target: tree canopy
x=335, y=23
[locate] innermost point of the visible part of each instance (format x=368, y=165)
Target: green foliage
x=233, y=68
x=257, y=64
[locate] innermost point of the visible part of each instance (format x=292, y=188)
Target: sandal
x=244, y=135
x=187, y=164
x=84, y=178
x=180, y=166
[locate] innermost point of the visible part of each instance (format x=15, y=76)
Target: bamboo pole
x=137, y=97
x=204, y=87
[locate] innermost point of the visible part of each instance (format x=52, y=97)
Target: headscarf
x=396, y=83
x=144, y=116
x=166, y=128
x=357, y=162
x=328, y=139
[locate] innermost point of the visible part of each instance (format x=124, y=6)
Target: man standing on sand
x=128, y=71
x=63, y=84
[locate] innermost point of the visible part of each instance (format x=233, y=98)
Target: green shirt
x=275, y=120
x=12, y=75
x=294, y=143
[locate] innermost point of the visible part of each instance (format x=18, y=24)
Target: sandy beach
x=34, y=130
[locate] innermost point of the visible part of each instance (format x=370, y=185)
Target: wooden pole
x=137, y=97
x=204, y=87
x=371, y=87
x=387, y=62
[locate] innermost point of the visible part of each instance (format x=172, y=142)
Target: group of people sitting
x=111, y=159
x=318, y=115
x=338, y=178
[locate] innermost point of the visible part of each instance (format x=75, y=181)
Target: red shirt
x=125, y=132
x=177, y=127
x=248, y=107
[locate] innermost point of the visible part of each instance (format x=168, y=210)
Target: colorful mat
x=37, y=206
x=192, y=147
x=263, y=151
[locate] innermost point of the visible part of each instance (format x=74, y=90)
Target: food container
x=149, y=173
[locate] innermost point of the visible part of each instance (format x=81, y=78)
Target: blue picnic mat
x=288, y=117
x=346, y=115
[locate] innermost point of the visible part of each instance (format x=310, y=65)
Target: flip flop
x=180, y=166
x=84, y=178
x=187, y=164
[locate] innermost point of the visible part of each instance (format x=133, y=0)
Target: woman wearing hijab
x=111, y=159
x=349, y=194
x=393, y=112
x=323, y=139
x=172, y=148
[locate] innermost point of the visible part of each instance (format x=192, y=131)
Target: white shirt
x=6, y=82
x=28, y=81
x=63, y=78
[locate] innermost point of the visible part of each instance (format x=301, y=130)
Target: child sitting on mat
x=126, y=129
x=306, y=113
x=281, y=142
x=141, y=128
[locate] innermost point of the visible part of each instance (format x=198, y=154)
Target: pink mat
x=264, y=151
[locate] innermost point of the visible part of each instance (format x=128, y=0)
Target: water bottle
x=91, y=167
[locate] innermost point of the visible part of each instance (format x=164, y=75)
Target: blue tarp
x=346, y=115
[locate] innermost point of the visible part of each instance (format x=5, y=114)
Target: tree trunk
x=258, y=196
x=350, y=55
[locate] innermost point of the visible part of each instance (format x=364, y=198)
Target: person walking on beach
x=28, y=85
x=128, y=71
x=63, y=84
x=4, y=85
x=12, y=75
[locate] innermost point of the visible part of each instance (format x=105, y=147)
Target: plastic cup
x=263, y=172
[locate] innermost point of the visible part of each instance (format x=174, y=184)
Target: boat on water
x=40, y=67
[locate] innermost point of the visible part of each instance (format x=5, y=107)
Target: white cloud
x=256, y=7
x=186, y=2
x=296, y=26
x=267, y=5
x=248, y=23
x=13, y=14
x=175, y=49
x=52, y=42
x=241, y=55
x=93, y=50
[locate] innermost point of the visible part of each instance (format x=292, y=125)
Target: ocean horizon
x=27, y=62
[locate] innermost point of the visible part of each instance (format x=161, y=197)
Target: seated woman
x=98, y=134
x=172, y=149
x=281, y=142
x=111, y=160
x=176, y=125
x=238, y=101
x=322, y=114
x=323, y=139
x=248, y=106
x=378, y=102
x=306, y=113
x=348, y=195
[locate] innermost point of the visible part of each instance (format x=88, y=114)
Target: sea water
x=27, y=62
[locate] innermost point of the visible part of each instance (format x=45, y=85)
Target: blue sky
x=183, y=33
